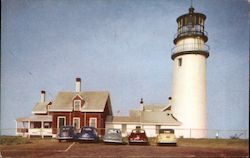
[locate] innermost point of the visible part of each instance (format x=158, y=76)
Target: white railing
x=190, y=47
x=34, y=131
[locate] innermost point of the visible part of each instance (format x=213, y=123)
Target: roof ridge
x=82, y=91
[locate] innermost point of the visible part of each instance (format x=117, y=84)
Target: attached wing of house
x=151, y=118
x=39, y=124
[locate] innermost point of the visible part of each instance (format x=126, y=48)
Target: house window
x=76, y=122
x=157, y=129
x=93, y=122
x=47, y=124
x=180, y=62
x=61, y=121
x=77, y=105
x=35, y=124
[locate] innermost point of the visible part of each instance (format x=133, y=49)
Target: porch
x=36, y=125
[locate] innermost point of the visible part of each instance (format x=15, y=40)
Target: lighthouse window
x=179, y=61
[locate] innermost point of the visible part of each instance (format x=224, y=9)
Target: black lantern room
x=191, y=25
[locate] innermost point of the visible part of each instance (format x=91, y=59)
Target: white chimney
x=42, y=97
x=141, y=105
x=78, y=84
x=170, y=101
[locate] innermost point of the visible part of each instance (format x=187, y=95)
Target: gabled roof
x=94, y=101
x=145, y=117
x=122, y=119
x=154, y=107
x=160, y=118
x=40, y=108
x=35, y=118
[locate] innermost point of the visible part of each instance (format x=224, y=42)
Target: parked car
x=88, y=134
x=138, y=136
x=166, y=136
x=113, y=136
x=66, y=133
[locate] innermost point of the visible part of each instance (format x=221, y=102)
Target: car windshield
x=66, y=128
x=113, y=131
x=138, y=131
x=87, y=129
x=166, y=131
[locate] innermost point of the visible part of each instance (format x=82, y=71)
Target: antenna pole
x=191, y=3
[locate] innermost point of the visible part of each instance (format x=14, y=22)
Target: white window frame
x=79, y=105
x=90, y=121
x=77, y=118
x=58, y=118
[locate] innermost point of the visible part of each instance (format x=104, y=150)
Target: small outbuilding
x=150, y=117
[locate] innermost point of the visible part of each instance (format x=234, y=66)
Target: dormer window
x=77, y=105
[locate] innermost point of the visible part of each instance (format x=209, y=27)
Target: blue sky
x=122, y=46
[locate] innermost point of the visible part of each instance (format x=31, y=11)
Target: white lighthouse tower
x=189, y=74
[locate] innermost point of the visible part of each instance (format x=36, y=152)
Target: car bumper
x=138, y=141
x=166, y=142
x=86, y=139
x=112, y=141
x=65, y=138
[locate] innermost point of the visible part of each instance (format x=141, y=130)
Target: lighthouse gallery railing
x=190, y=47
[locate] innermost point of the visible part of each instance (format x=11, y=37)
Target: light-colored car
x=166, y=136
x=113, y=136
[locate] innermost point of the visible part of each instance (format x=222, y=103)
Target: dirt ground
x=52, y=148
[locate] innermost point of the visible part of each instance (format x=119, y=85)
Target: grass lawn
x=13, y=140
x=214, y=143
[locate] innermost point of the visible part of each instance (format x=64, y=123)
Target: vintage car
x=67, y=133
x=166, y=136
x=88, y=134
x=113, y=136
x=138, y=136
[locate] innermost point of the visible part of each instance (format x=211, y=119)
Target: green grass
x=216, y=143
x=13, y=140
x=206, y=142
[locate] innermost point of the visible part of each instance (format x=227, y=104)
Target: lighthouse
x=189, y=74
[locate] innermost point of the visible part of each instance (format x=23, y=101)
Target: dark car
x=138, y=136
x=67, y=133
x=88, y=134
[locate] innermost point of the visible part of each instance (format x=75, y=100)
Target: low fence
x=212, y=133
x=180, y=133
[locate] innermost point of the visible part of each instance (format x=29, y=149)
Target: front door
x=76, y=122
x=61, y=121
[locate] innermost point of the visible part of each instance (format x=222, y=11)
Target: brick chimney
x=141, y=105
x=42, y=96
x=78, y=84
